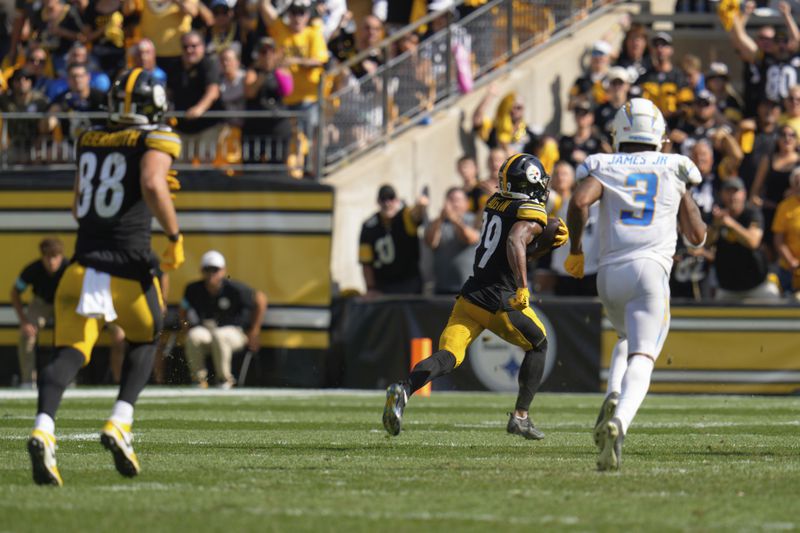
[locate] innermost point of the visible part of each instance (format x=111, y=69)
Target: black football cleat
x=396, y=399
x=606, y=414
x=523, y=427
x=610, y=457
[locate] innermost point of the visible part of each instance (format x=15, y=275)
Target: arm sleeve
x=533, y=212
x=756, y=218
x=164, y=140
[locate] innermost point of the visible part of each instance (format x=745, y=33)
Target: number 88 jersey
x=111, y=212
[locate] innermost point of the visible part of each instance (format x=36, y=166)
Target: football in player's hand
x=544, y=242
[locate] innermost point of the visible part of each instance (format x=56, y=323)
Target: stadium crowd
x=744, y=144
x=269, y=55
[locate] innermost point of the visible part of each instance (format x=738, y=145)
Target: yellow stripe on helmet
x=504, y=172
x=134, y=75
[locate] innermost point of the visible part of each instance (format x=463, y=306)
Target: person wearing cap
x=617, y=84
x=786, y=237
x=589, y=86
x=664, y=84
x=22, y=98
x=586, y=140
x=226, y=31
x=757, y=138
x=389, y=245
x=782, y=66
x=736, y=233
x=704, y=122
x=222, y=316
x=729, y=103
x=266, y=84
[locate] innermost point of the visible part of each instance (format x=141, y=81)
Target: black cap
x=734, y=182
x=386, y=192
x=23, y=73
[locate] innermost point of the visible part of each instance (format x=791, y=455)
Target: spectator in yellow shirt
x=305, y=53
x=786, y=236
x=164, y=22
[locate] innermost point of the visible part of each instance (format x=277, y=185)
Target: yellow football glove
x=173, y=183
x=173, y=257
x=520, y=300
x=562, y=235
x=574, y=265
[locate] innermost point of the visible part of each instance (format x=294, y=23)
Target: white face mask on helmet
x=638, y=121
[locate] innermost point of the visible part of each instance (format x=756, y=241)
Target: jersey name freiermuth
x=491, y=272
x=639, y=206
x=111, y=212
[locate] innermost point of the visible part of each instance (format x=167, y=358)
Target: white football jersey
x=639, y=207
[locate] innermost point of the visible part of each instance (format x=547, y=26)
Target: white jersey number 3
x=108, y=196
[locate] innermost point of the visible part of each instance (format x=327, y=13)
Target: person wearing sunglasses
x=220, y=316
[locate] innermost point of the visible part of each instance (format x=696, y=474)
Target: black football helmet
x=523, y=177
x=136, y=98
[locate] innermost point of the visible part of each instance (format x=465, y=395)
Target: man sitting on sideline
x=223, y=316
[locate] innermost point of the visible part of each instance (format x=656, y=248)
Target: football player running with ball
x=643, y=195
x=121, y=183
x=496, y=297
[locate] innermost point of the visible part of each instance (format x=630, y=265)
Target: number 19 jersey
x=111, y=212
x=492, y=277
x=639, y=206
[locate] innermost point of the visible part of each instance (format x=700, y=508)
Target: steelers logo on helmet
x=523, y=177
x=136, y=98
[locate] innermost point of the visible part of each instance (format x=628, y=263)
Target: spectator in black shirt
x=42, y=275
x=758, y=138
x=389, y=245
x=635, y=56
x=740, y=263
x=223, y=315
x=617, y=85
x=80, y=98
x=22, y=133
x=195, y=90
x=585, y=141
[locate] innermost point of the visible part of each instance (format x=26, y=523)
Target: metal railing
x=239, y=140
x=358, y=114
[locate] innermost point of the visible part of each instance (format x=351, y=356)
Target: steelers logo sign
x=533, y=174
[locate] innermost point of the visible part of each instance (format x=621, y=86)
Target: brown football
x=544, y=242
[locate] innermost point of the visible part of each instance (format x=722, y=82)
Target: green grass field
x=297, y=461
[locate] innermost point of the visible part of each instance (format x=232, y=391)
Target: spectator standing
x=106, y=35
x=563, y=184
x=776, y=69
x=266, y=84
x=786, y=235
x=226, y=32
x=195, y=90
x=757, y=139
x=42, y=276
x=231, y=85
x=663, y=84
x=703, y=122
x=21, y=98
x=590, y=85
x=452, y=237
x=772, y=178
x=585, y=141
x=57, y=26
x=224, y=316
x=346, y=45
x=635, y=55
x=305, y=54
x=165, y=22
x=729, y=103
x=37, y=62
x=508, y=129
x=737, y=231
x=617, y=84
x=389, y=245
x=80, y=98
x=143, y=55
x=791, y=107
x=467, y=169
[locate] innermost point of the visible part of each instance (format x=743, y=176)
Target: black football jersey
x=112, y=214
x=393, y=250
x=492, y=276
x=665, y=89
x=778, y=75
